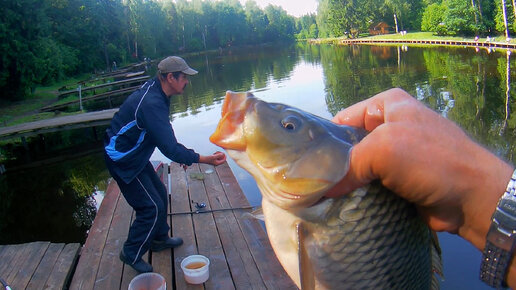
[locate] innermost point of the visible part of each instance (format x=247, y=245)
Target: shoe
x=170, y=243
x=140, y=266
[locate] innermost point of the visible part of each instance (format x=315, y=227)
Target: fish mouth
x=229, y=133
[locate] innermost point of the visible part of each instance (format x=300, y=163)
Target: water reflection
x=507, y=92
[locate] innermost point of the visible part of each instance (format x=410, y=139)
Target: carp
x=369, y=238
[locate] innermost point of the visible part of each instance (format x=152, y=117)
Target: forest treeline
x=43, y=41
x=444, y=17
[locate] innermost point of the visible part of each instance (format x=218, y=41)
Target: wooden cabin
x=379, y=28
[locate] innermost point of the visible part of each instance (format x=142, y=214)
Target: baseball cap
x=174, y=64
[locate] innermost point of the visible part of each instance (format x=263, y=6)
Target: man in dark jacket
x=141, y=125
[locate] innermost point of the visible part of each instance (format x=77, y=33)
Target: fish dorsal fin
x=437, y=262
x=306, y=273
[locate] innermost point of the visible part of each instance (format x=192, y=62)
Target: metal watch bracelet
x=501, y=239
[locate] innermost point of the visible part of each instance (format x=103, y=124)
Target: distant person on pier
x=140, y=126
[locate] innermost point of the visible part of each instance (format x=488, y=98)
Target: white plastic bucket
x=148, y=281
x=196, y=269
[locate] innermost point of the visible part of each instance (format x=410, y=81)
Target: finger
x=353, y=115
x=367, y=114
x=370, y=113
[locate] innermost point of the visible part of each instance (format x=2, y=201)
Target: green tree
x=281, y=25
x=230, y=26
x=408, y=13
x=500, y=20
x=459, y=18
x=21, y=31
x=306, y=27
x=257, y=21
x=322, y=17
x=433, y=17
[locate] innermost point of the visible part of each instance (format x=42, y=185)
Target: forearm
x=487, y=183
x=204, y=159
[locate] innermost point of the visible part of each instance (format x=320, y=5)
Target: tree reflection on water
x=46, y=191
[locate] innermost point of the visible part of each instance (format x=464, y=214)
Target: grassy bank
x=418, y=36
x=13, y=113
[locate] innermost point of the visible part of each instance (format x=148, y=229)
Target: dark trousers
x=148, y=197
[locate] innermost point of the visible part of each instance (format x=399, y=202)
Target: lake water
x=470, y=87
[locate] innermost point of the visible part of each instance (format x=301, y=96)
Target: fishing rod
x=200, y=209
x=6, y=286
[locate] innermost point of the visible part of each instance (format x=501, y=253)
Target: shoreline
x=421, y=38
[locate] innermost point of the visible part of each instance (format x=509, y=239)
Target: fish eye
x=289, y=126
x=290, y=123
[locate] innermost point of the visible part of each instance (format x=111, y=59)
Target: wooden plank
x=111, y=268
x=63, y=267
x=89, y=262
x=91, y=117
x=182, y=224
x=233, y=191
x=24, y=266
x=273, y=274
x=162, y=261
x=122, y=82
x=7, y=257
x=45, y=267
x=241, y=263
x=128, y=272
x=89, y=98
x=207, y=237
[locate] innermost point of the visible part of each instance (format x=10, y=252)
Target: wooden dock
x=139, y=80
x=463, y=43
x=107, y=95
x=239, y=251
x=37, y=265
x=84, y=120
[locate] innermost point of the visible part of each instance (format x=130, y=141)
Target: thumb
x=360, y=170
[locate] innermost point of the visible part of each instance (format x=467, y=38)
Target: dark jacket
x=141, y=125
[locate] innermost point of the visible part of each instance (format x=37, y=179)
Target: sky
x=293, y=7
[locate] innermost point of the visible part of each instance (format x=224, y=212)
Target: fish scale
x=366, y=239
x=368, y=254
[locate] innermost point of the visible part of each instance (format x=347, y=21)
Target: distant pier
x=466, y=43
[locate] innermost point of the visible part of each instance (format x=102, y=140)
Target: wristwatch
x=501, y=239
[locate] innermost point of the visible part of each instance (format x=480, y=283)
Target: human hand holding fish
x=428, y=160
x=215, y=159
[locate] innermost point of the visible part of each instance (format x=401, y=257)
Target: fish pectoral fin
x=437, y=262
x=255, y=214
x=306, y=273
